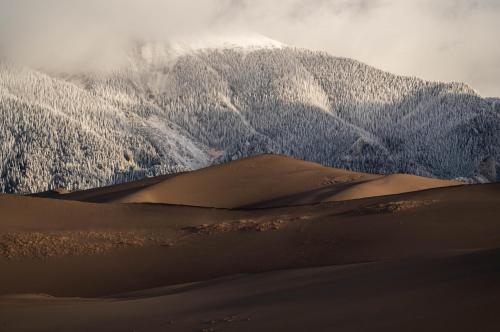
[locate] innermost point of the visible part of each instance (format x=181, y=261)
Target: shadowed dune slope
x=416, y=261
x=451, y=293
x=263, y=181
x=71, y=248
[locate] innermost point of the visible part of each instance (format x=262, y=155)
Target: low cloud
x=446, y=40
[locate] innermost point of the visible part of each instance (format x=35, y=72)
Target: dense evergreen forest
x=164, y=114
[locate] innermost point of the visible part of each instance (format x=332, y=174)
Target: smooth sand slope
x=79, y=249
x=263, y=181
x=422, y=260
x=451, y=293
x=411, y=262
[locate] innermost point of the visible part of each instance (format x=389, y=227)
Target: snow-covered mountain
x=495, y=102
x=177, y=107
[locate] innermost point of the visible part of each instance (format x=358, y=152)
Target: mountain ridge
x=214, y=105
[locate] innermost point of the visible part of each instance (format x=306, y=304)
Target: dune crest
x=262, y=181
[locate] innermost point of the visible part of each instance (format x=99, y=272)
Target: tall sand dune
x=262, y=181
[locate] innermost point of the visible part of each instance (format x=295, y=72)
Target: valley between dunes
x=260, y=244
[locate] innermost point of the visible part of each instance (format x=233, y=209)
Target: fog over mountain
x=448, y=40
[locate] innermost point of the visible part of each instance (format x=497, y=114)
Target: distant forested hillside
x=164, y=114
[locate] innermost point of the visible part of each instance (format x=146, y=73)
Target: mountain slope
x=168, y=112
x=54, y=133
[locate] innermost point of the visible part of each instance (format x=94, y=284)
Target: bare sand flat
x=420, y=260
x=262, y=181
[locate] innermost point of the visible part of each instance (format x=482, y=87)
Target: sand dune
x=452, y=293
x=390, y=185
x=263, y=181
x=419, y=260
x=83, y=249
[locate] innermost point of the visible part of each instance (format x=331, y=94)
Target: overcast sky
x=446, y=40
